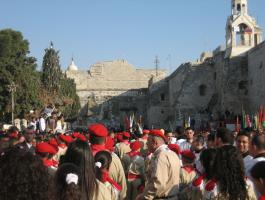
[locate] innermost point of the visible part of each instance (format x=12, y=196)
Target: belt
x=133, y=176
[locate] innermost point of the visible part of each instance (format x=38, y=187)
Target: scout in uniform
x=164, y=171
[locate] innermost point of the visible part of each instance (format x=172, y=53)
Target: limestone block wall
x=256, y=77
x=159, y=113
x=191, y=88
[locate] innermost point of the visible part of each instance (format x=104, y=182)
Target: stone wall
x=256, y=77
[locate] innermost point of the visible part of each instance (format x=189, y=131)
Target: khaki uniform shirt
x=186, y=177
x=116, y=172
x=103, y=192
x=122, y=148
x=163, y=175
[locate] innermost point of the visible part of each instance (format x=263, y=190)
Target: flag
x=248, y=121
x=237, y=124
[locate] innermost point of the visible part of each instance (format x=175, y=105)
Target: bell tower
x=242, y=31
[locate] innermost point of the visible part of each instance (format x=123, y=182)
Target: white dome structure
x=72, y=66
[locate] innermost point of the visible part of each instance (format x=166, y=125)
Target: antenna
x=156, y=64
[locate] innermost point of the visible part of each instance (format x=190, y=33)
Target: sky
x=177, y=31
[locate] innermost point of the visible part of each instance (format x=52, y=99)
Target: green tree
x=17, y=67
x=51, y=71
x=70, y=98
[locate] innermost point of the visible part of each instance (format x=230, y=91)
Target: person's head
x=198, y=143
x=23, y=176
x=79, y=153
x=189, y=133
x=103, y=160
x=155, y=139
x=169, y=135
x=243, y=141
x=223, y=137
x=211, y=140
x=207, y=159
x=180, y=131
x=68, y=182
x=258, y=174
x=229, y=172
x=257, y=144
x=29, y=135
x=98, y=133
x=187, y=157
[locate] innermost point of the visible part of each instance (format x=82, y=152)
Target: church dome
x=72, y=66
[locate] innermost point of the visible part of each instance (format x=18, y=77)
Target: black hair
x=23, y=176
x=243, y=133
x=259, y=141
x=225, y=135
x=207, y=159
x=229, y=173
x=211, y=137
x=64, y=189
x=105, y=159
x=257, y=171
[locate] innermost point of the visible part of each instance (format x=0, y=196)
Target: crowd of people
x=99, y=164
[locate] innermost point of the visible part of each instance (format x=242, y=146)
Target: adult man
x=223, y=137
x=163, y=173
x=186, y=144
x=242, y=144
x=257, y=149
x=27, y=145
x=98, y=134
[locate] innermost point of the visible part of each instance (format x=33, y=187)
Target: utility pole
x=12, y=88
x=157, y=65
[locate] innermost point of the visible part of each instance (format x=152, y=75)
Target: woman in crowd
x=23, y=176
x=258, y=175
x=79, y=153
x=229, y=181
x=103, y=160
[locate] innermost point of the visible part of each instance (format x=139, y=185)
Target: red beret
x=66, y=138
x=175, y=148
x=44, y=147
x=127, y=134
x=145, y=131
x=79, y=136
x=135, y=145
x=98, y=130
x=109, y=144
x=158, y=133
x=53, y=142
x=188, y=154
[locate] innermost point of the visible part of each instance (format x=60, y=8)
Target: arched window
x=202, y=90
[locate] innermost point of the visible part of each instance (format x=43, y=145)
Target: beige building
x=216, y=86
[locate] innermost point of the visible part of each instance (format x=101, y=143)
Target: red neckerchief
x=126, y=142
x=210, y=185
x=134, y=153
x=97, y=147
x=262, y=197
x=47, y=162
x=198, y=181
x=188, y=168
x=62, y=145
x=106, y=178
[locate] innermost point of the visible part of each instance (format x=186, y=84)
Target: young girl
x=68, y=182
x=103, y=160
